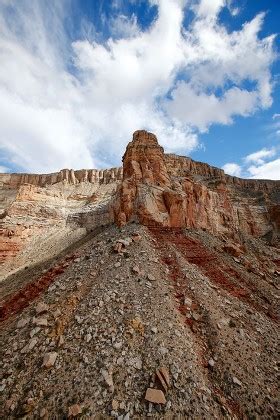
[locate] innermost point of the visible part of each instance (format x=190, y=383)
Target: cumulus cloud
x=66, y=103
x=257, y=165
x=260, y=156
x=268, y=170
x=262, y=166
x=215, y=60
x=199, y=109
x=232, y=169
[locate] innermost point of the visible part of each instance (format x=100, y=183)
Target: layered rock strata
x=40, y=215
x=174, y=191
x=68, y=176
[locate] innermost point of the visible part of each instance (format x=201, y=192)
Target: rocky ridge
x=171, y=312
x=91, y=333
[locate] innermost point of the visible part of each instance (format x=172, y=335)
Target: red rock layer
x=173, y=191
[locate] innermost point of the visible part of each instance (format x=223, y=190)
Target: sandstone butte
x=43, y=214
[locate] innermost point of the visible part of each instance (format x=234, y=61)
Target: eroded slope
x=117, y=311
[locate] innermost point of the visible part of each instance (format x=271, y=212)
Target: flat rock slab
x=155, y=396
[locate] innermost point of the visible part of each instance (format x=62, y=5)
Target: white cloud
x=275, y=116
x=260, y=156
x=216, y=57
x=206, y=109
x=257, y=165
x=209, y=9
x=263, y=167
x=268, y=170
x=123, y=27
x=232, y=169
x=66, y=104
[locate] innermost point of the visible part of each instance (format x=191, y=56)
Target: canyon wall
x=68, y=176
x=40, y=215
x=174, y=191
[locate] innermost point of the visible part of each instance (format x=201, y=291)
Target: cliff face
x=174, y=191
x=68, y=176
x=42, y=214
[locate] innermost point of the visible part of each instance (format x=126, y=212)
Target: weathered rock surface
x=41, y=215
x=174, y=191
x=175, y=319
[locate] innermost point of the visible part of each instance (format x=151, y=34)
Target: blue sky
x=77, y=77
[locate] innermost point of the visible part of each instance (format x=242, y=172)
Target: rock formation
x=174, y=318
x=42, y=214
x=174, y=191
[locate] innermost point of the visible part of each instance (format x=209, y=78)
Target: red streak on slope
x=17, y=302
x=211, y=265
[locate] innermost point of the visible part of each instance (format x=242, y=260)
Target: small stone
x=32, y=343
x=137, y=363
x=118, y=264
x=34, y=331
x=41, y=308
x=115, y=405
x=56, y=313
x=163, y=350
x=165, y=374
x=122, y=405
x=136, y=269
x=154, y=330
x=42, y=322
x=168, y=405
x=150, y=277
x=78, y=319
x=196, y=316
x=155, y=396
x=43, y=413
x=108, y=378
x=60, y=341
x=236, y=381
x=187, y=302
x=117, y=345
x=74, y=410
x=211, y=363
x=161, y=379
x=136, y=237
x=118, y=247
x=29, y=346
x=88, y=338
x=125, y=242
x=49, y=359
x=22, y=322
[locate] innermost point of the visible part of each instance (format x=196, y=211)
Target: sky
x=78, y=77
